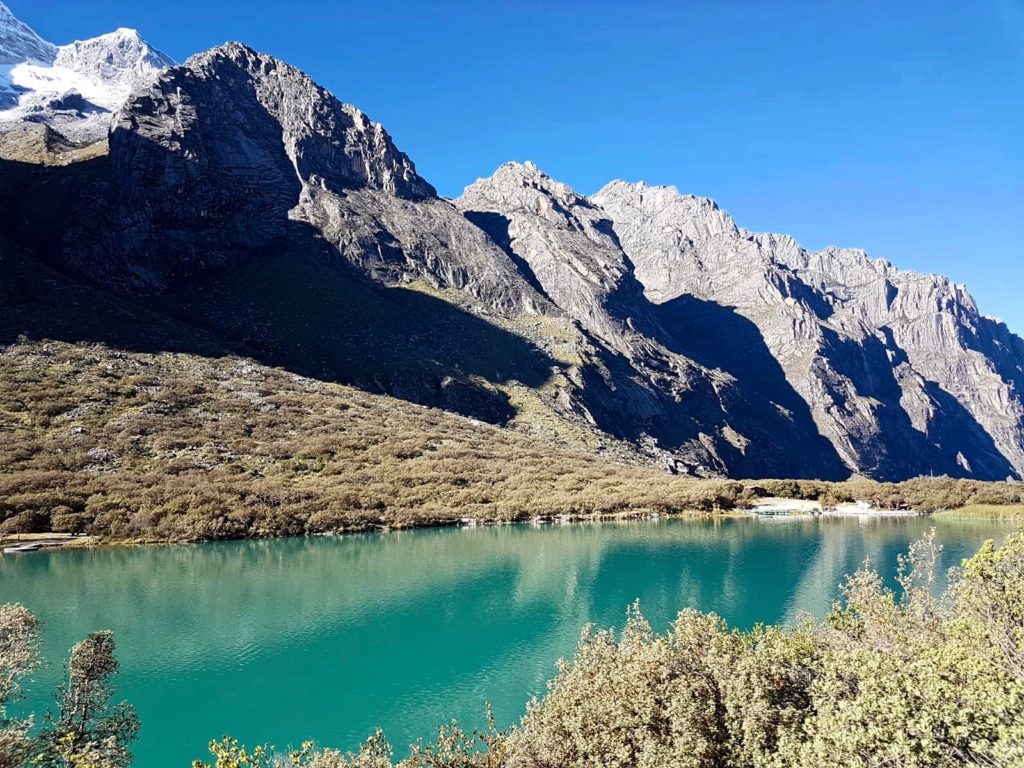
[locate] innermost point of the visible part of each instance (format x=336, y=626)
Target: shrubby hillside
x=175, y=446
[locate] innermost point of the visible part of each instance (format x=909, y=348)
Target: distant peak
x=515, y=179
x=121, y=33
x=619, y=186
x=526, y=168
x=124, y=38
x=639, y=191
x=231, y=49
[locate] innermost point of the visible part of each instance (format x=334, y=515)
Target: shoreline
x=782, y=510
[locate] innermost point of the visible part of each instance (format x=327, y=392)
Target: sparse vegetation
x=174, y=446
x=179, y=447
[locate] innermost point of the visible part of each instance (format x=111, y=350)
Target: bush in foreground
x=890, y=678
x=86, y=730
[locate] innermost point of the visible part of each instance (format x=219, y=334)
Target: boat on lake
x=22, y=548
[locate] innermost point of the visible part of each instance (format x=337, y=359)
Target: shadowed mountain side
x=287, y=310
x=294, y=310
x=1004, y=348
x=39, y=202
x=214, y=241
x=952, y=442
x=774, y=418
x=39, y=302
x=209, y=160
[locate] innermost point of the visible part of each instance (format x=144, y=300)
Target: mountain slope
x=901, y=372
x=243, y=202
x=236, y=165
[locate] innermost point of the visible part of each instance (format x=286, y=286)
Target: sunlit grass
x=985, y=511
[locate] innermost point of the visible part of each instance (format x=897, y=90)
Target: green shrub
x=890, y=678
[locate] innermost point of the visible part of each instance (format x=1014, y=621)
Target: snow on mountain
x=18, y=43
x=117, y=60
x=73, y=88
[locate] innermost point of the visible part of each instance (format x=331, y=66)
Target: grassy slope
x=121, y=421
x=173, y=445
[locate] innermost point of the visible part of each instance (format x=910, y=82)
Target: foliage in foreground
x=87, y=730
x=181, y=447
x=889, y=678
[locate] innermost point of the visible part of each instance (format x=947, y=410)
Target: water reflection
x=330, y=637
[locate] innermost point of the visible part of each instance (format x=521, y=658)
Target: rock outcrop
x=901, y=372
x=236, y=152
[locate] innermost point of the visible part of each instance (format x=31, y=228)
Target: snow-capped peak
x=19, y=43
x=73, y=88
x=120, y=58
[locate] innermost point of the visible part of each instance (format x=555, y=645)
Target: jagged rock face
x=231, y=108
x=235, y=154
x=901, y=372
x=323, y=141
x=704, y=420
x=209, y=160
x=394, y=240
x=563, y=243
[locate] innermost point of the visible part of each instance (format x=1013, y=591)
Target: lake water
x=328, y=638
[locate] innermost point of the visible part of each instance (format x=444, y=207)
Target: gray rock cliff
x=901, y=372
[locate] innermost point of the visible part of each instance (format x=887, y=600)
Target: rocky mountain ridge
x=893, y=363
x=240, y=198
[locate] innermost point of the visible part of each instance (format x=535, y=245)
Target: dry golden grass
x=173, y=446
x=170, y=446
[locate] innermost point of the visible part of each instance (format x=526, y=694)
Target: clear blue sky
x=897, y=127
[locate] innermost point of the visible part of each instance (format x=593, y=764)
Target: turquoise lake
x=328, y=638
